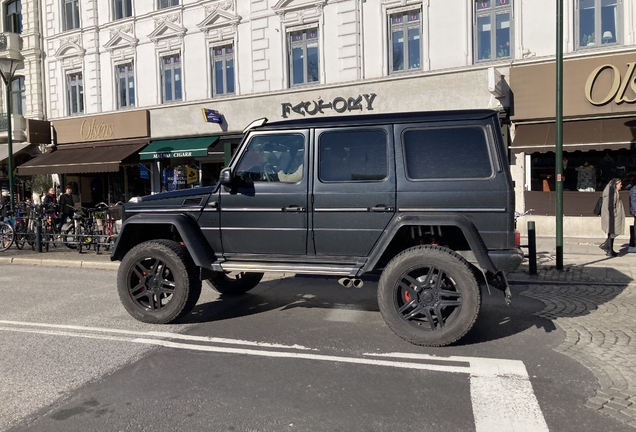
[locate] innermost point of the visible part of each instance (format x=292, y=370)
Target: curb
x=93, y=265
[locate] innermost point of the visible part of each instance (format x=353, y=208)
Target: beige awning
x=585, y=135
x=15, y=147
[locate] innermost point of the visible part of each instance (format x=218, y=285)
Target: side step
x=324, y=269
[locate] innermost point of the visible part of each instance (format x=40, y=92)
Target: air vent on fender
x=192, y=202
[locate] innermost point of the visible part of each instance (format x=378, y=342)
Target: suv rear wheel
x=158, y=282
x=429, y=296
x=232, y=283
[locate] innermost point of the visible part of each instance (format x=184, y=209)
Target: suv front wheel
x=158, y=282
x=428, y=296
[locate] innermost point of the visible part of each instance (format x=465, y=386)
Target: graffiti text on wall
x=339, y=105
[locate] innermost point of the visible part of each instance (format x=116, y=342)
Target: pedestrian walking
x=632, y=210
x=612, y=215
x=66, y=205
x=50, y=199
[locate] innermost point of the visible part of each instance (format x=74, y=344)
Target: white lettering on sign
x=181, y=154
x=161, y=155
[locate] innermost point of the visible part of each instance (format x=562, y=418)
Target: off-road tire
x=410, y=303
x=235, y=284
x=150, y=268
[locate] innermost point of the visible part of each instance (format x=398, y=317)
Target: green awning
x=178, y=148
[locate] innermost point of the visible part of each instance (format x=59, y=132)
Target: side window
x=446, y=153
x=273, y=158
x=353, y=156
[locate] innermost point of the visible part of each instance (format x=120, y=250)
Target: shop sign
x=339, y=104
x=131, y=124
x=171, y=154
x=618, y=88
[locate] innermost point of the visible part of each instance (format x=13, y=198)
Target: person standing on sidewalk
x=66, y=205
x=632, y=210
x=612, y=215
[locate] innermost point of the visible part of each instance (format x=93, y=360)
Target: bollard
x=532, y=248
x=38, y=231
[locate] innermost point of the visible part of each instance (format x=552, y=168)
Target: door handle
x=294, y=209
x=381, y=208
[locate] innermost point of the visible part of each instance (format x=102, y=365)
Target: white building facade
x=21, y=29
x=284, y=59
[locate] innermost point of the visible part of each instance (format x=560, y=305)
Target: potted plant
x=99, y=219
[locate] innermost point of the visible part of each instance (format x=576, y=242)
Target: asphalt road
x=295, y=354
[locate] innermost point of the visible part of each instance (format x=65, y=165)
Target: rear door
x=354, y=189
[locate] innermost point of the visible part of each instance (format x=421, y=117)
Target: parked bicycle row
x=42, y=226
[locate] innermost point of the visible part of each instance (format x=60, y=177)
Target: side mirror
x=225, y=178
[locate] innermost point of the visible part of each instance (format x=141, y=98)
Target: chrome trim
x=251, y=209
x=287, y=268
x=438, y=210
x=342, y=209
x=262, y=229
x=215, y=209
x=210, y=228
x=155, y=210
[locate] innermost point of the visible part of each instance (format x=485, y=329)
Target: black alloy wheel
x=158, y=282
x=429, y=296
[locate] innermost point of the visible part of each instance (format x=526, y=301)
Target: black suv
x=423, y=199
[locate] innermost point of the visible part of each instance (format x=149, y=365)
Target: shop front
x=183, y=163
x=98, y=156
x=599, y=137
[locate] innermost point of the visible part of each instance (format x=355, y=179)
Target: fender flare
x=476, y=243
x=188, y=229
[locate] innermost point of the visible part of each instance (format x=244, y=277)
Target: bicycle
x=109, y=230
x=7, y=233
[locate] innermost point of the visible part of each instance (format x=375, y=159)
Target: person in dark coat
x=67, y=204
x=632, y=211
x=50, y=199
x=612, y=215
x=5, y=204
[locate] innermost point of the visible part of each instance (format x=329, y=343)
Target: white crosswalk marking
x=501, y=393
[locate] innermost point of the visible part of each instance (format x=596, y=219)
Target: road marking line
x=501, y=392
x=157, y=334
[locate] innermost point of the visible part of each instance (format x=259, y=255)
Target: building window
x=123, y=8
x=171, y=78
x=405, y=46
x=125, y=76
x=18, y=96
x=14, y=17
x=598, y=22
x=75, y=93
x=303, y=54
x=167, y=3
x=493, y=15
x=223, y=70
x=71, y=14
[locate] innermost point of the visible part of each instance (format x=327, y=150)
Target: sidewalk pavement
x=583, y=261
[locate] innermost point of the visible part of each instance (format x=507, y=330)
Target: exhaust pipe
x=350, y=282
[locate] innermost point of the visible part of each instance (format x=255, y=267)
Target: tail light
x=517, y=238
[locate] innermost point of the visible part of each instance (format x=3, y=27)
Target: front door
x=265, y=212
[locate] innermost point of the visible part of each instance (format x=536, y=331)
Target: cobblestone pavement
x=600, y=326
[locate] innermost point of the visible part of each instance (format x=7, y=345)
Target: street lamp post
x=8, y=67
